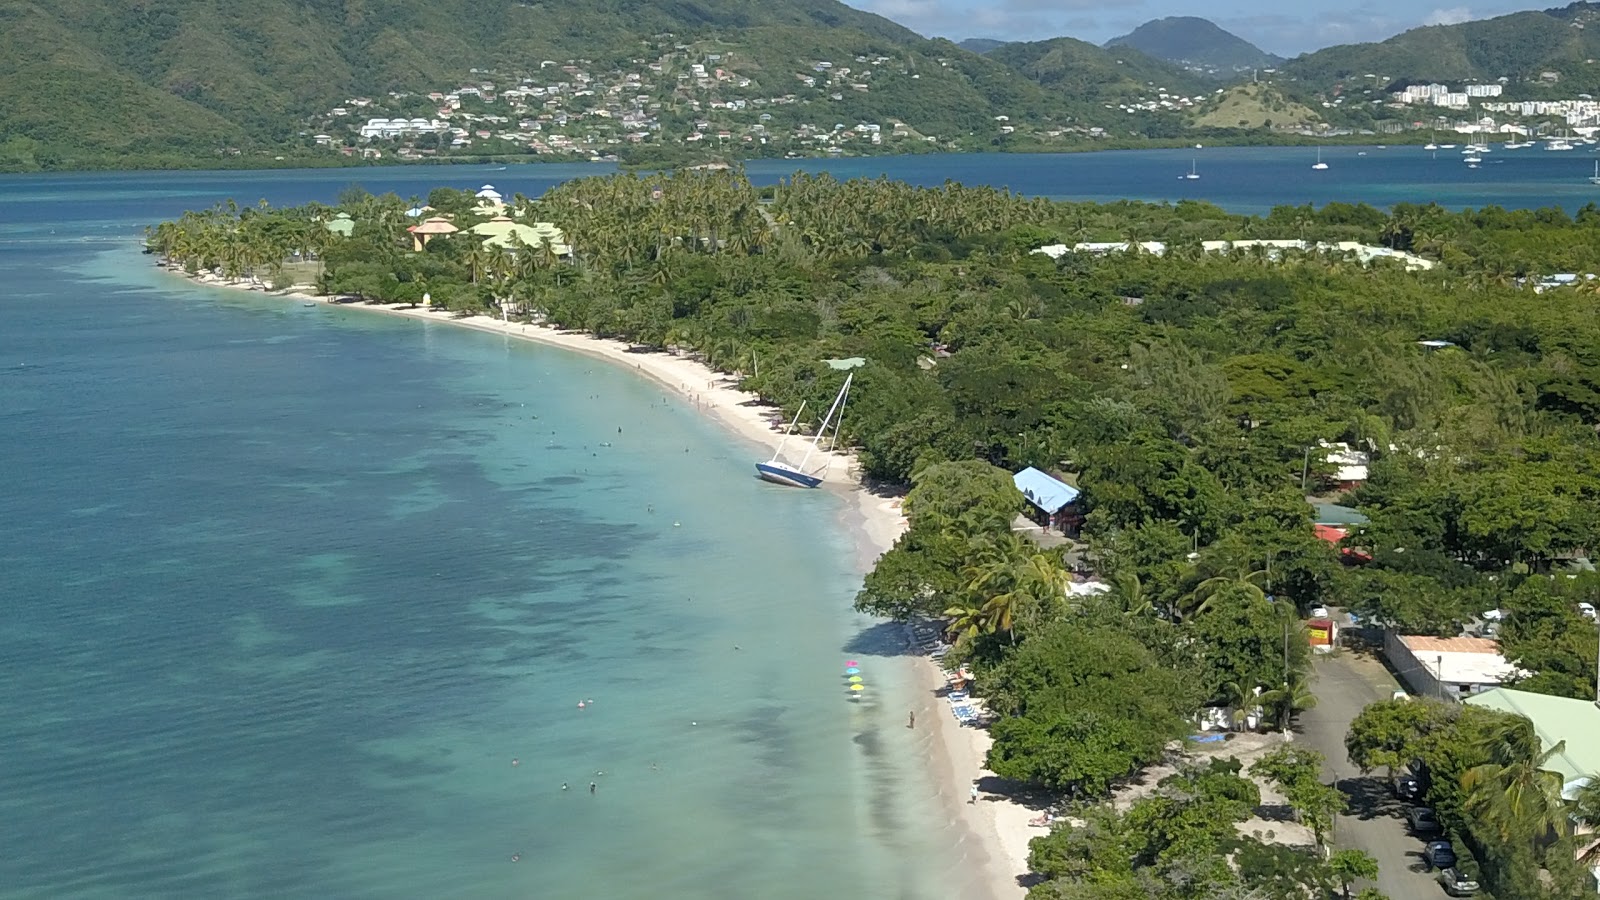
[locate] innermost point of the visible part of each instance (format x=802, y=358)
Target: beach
x=994, y=831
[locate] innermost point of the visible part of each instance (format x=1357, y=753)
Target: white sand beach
x=999, y=827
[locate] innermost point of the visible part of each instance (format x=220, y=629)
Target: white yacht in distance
x=1191, y=175
x=1447, y=146
x=1557, y=144
x=1319, y=165
x=1595, y=179
x=1430, y=145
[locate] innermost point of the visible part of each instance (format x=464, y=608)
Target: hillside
x=1518, y=47
x=1195, y=43
x=92, y=78
x=1072, y=68
x=980, y=45
x=1254, y=106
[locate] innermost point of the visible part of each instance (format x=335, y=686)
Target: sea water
x=301, y=602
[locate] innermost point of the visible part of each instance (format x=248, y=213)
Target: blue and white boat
x=777, y=471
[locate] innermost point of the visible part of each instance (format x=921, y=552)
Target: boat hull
x=781, y=474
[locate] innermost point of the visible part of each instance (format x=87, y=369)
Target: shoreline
x=997, y=825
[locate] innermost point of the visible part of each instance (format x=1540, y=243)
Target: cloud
x=1455, y=15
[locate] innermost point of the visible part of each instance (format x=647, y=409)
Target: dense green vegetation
x=1519, y=46
x=98, y=82
x=1196, y=42
x=1485, y=781
x=1185, y=394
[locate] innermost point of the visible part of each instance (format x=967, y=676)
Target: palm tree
x=1127, y=591
x=1200, y=599
x=1241, y=700
x=966, y=622
x=1514, y=793
x=1286, y=700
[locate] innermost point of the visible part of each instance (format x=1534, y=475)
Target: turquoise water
x=289, y=588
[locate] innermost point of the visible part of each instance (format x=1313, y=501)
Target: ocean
x=288, y=590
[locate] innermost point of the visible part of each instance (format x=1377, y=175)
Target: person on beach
x=911, y=719
x=971, y=797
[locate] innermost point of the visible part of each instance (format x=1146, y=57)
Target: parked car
x=1319, y=612
x=1439, y=855
x=1408, y=788
x=1422, y=820
x=1586, y=609
x=1456, y=884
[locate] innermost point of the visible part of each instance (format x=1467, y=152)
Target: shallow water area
x=291, y=589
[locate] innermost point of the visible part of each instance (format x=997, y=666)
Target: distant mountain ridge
x=1195, y=43
x=980, y=45
x=1520, y=46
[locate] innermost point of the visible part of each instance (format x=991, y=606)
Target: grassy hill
x=1519, y=47
x=1196, y=43
x=1254, y=106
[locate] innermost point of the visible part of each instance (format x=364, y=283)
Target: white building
x=1447, y=668
x=1484, y=90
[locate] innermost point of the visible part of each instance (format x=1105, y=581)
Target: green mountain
x=1075, y=68
x=1519, y=47
x=150, y=82
x=1195, y=43
x=980, y=45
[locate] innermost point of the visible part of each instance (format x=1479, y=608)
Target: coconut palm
x=1514, y=794
x=1288, y=699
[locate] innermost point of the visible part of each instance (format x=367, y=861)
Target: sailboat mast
x=792, y=423
x=823, y=428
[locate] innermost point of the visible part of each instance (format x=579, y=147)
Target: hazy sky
x=1284, y=27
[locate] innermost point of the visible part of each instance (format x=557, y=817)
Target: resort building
x=1447, y=668
x=1051, y=501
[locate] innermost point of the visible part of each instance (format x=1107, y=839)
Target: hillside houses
x=573, y=108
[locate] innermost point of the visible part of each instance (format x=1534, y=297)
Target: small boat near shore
x=777, y=471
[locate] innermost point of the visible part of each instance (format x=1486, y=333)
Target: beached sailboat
x=777, y=471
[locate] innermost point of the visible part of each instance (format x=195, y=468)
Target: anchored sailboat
x=777, y=471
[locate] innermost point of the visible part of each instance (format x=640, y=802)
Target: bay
x=288, y=589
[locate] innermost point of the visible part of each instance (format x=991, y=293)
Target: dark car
x=1456, y=884
x=1408, y=788
x=1439, y=855
x=1422, y=820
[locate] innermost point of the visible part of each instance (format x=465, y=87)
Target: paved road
x=1346, y=682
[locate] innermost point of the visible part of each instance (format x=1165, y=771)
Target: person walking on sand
x=971, y=797
x=911, y=719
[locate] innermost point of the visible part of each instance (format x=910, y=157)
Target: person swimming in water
x=593, y=787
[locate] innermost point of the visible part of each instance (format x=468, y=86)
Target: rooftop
x=1461, y=660
x=1555, y=719
x=1044, y=491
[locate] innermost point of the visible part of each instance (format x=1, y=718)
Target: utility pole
x=1305, y=471
x=1438, y=671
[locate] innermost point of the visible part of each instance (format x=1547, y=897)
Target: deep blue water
x=1240, y=179
x=286, y=589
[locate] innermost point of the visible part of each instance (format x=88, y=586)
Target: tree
x=1513, y=794
x=1297, y=773
x=1287, y=700
x=1348, y=865
x=1391, y=733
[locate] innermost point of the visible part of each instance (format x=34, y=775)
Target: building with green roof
x=1555, y=719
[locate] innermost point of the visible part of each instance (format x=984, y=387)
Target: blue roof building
x=1047, y=493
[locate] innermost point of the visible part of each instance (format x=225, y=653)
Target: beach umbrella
x=852, y=663
x=852, y=671
x=855, y=679
x=858, y=687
